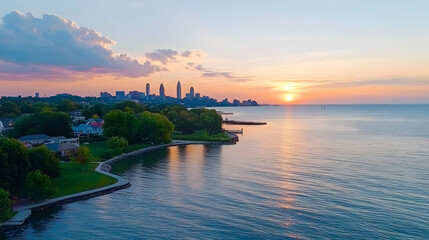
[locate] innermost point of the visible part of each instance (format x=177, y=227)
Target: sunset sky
x=307, y=52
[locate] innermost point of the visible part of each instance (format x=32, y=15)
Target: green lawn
x=96, y=149
x=201, y=135
x=73, y=179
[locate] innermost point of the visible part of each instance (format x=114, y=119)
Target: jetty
x=233, y=122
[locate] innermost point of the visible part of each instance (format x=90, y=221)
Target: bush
x=38, y=186
x=44, y=160
x=5, y=206
x=117, y=144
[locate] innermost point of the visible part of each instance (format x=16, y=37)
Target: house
x=77, y=116
x=95, y=122
x=86, y=129
x=6, y=124
x=64, y=147
x=35, y=139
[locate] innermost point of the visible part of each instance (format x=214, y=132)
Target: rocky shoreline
x=24, y=212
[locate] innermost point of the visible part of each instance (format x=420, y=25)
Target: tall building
x=179, y=90
x=147, y=90
x=120, y=95
x=191, y=93
x=162, y=91
x=36, y=95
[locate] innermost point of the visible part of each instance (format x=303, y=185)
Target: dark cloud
x=37, y=45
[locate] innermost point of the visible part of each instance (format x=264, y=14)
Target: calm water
x=344, y=172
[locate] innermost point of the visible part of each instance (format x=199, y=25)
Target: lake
x=340, y=172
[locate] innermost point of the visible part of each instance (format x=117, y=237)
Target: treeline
x=48, y=120
x=25, y=171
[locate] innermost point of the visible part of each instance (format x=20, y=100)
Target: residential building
x=120, y=95
x=35, y=139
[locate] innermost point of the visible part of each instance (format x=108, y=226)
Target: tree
x=209, y=120
x=25, y=125
x=154, y=127
x=67, y=105
x=5, y=206
x=121, y=124
x=117, y=144
x=44, y=160
x=38, y=185
x=14, y=164
x=135, y=107
x=83, y=156
x=54, y=123
x=9, y=109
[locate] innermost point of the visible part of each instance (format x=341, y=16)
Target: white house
x=85, y=129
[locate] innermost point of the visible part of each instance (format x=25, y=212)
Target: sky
x=273, y=51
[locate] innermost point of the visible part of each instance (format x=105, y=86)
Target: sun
x=289, y=98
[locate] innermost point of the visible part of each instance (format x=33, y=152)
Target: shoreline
x=24, y=212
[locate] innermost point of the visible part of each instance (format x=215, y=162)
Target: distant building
x=162, y=92
x=36, y=95
x=191, y=93
x=105, y=95
x=136, y=95
x=197, y=95
x=87, y=129
x=179, y=90
x=120, y=95
x=236, y=102
x=147, y=90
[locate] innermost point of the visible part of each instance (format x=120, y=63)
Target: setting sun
x=289, y=98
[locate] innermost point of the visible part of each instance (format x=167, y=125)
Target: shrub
x=108, y=153
x=117, y=144
x=5, y=206
x=38, y=185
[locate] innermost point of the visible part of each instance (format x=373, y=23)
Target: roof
x=81, y=127
x=34, y=137
x=57, y=139
x=56, y=147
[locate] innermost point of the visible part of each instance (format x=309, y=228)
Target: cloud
x=168, y=55
x=227, y=75
x=53, y=44
x=209, y=73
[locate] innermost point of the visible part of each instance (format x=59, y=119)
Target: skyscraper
x=191, y=92
x=179, y=90
x=162, y=91
x=147, y=89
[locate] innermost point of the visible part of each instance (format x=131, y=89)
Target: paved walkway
x=24, y=211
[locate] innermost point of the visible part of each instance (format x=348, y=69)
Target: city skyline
x=284, y=52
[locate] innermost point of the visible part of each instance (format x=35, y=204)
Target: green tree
x=121, y=124
x=25, y=125
x=154, y=127
x=54, y=123
x=38, y=185
x=44, y=160
x=14, y=164
x=5, y=206
x=209, y=120
x=83, y=156
x=9, y=109
x=67, y=105
x=135, y=107
x=117, y=144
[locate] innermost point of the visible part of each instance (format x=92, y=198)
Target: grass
x=74, y=180
x=12, y=214
x=201, y=135
x=97, y=149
